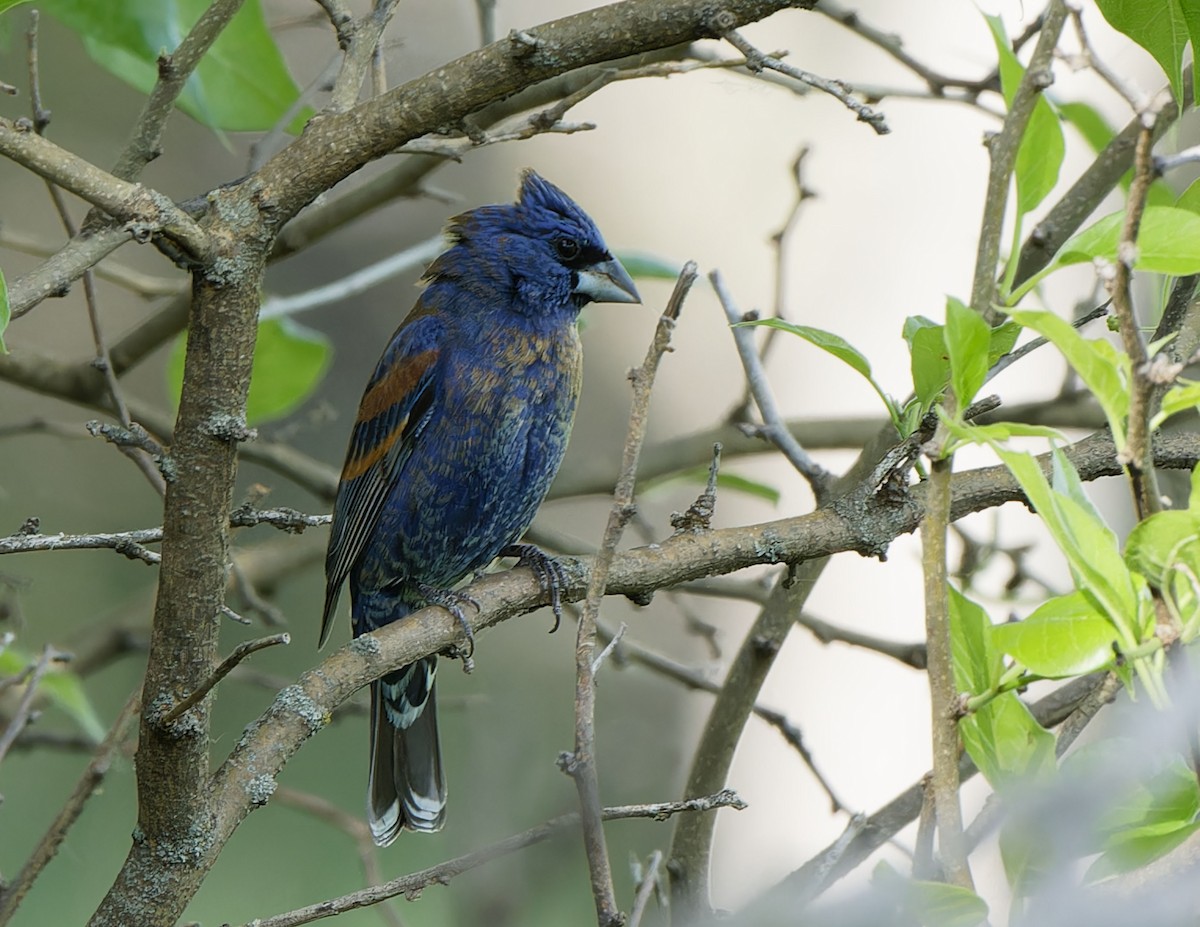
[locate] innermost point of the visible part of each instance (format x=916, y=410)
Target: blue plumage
x=459, y=434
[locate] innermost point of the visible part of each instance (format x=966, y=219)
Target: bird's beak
x=607, y=282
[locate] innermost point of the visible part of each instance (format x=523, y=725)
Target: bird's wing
x=394, y=409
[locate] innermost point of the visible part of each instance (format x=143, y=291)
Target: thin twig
x=891, y=43
x=174, y=70
x=485, y=10
x=130, y=543
x=1002, y=158
x=773, y=427
x=24, y=710
x=275, y=139
x=1136, y=453
x=913, y=655
x=357, y=282
x=412, y=885
x=93, y=775
x=782, y=267
x=102, y=361
x=1096, y=62
x=756, y=61
x=646, y=888
x=613, y=642
x=147, y=286
x=814, y=877
x=239, y=653
x=635, y=652
x=1170, y=162
x=353, y=826
x=145, y=212
x=582, y=764
x=364, y=38
x=944, y=782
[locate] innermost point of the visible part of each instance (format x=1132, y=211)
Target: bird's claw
x=453, y=602
x=550, y=573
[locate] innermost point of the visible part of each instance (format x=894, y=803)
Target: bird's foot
x=551, y=574
x=454, y=602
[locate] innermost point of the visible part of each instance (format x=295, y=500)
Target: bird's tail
x=407, y=789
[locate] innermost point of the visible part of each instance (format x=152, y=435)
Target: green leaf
x=645, y=266
x=943, y=905
x=840, y=348
x=1104, y=370
x=930, y=363
x=977, y=666
x=65, y=689
x=289, y=363
x=242, y=83
x=1094, y=128
x=1040, y=156
x=968, y=342
x=1003, y=337
x=730, y=481
x=1149, y=820
x=1165, y=548
x=934, y=904
x=5, y=312
x=1157, y=543
x=1160, y=27
x=1002, y=432
x=1168, y=241
x=61, y=686
x=914, y=323
x=836, y=345
x=1064, y=479
x=1006, y=742
x=1027, y=854
x=1189, y=199
x=1011, y=69
x=1065, y=636
x=1137, y=851
x=1180, y=398
x=1089, y=545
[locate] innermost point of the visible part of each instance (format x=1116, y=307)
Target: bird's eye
x=568, y=248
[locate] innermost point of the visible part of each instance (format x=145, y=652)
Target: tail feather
x=407, y=789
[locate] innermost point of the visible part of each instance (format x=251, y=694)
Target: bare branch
x=839, y=90
x=12, y=894
x=1002, y=153
x=354, y=827
x=23, y=713
x=582, y=763
x=650, y=882
x=773, y=428
x=145, y=143
x=359, y=44
x=145, y=212
x=240, y=653
x=411, y=885
x=1136, y=452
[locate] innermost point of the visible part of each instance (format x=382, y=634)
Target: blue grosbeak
x=459, y=434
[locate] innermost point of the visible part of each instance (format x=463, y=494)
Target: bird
x=461, y=429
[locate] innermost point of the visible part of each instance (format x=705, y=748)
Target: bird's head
x=543, y=252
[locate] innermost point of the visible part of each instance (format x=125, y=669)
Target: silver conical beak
x=607, y=282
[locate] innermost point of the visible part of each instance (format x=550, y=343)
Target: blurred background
x=692, y=167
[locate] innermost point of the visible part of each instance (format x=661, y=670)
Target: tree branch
x=146, y=212
x=582, y=763
x=12, y=894
x=443, y=872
